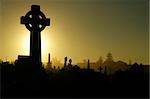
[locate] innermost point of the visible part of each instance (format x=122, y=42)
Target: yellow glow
x=46, y=44
x=24, y=43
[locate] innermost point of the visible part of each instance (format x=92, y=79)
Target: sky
x=79, y=29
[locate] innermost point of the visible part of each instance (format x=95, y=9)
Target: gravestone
x=28, y=67
x=35, y=21
x=29, y=73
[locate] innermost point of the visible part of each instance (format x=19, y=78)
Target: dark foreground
x=133, y=83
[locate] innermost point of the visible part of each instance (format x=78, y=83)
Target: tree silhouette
x=109, y=57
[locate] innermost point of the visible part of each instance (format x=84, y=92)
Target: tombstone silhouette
x=35, y=21
x=100, y=69
x=70, y=61
x=65, y=61
x=88, y=67
x=49, y=64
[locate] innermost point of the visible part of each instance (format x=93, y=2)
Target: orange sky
x=80, y=29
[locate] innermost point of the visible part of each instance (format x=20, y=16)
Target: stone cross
x=35, y=21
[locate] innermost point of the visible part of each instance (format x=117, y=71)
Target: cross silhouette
x=35, y=21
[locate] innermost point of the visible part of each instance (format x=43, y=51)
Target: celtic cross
x=35, y=21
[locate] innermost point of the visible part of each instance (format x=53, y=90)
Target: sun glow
x=46, y=44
